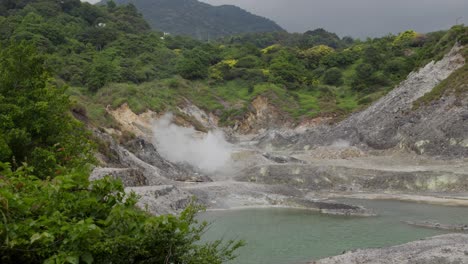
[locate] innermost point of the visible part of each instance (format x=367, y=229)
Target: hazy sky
x=358, y=18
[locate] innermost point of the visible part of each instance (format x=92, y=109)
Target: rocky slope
x=438, y=129
x=445, y=249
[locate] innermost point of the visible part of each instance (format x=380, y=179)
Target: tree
x=333, y=76
x=398, y=67
x=339, y=59
x=373, y=57
x=111, y=5
x=360, y=80
x=249, y=61
x=102, y=71
x=98, y=36
x=193, y=64
x=313, y=55
x=287, y=70
x=35, y=123
x=405, y=39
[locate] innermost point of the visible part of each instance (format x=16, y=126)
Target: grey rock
x=163, y=199
x=340, y=177
x=335, y=208
x=129, y=177
x=444, y=249
x=391, y=122
x=147, y=152
x=282, y=158
x=439, y=226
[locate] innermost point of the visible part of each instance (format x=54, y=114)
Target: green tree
x=313, y=55
x=249, y=61
x=405, y=39
x=35, y=123
x=111, y=5
x=193, y=64
x=102, y=71
x=287, y=70
x=333, y=76
x=361, y=79
x=373, y=56
x=398, y=67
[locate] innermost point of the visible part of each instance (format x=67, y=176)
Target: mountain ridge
x=200, y=20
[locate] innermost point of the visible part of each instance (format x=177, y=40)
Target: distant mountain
x=200, y=20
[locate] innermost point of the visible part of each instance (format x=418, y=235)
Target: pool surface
x=295, y=236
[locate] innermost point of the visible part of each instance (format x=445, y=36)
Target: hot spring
x=295, y=236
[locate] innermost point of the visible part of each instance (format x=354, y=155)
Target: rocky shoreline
x=439, y=226
x=444, y=249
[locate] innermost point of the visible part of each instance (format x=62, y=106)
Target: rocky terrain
x=444, y=249
x=435, y=225
x=388, y=151
x=439, y=129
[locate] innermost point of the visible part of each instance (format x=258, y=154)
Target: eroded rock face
x=143, y=171
x=147, y=152
x=207, y=120
x=263, y=115
x=439, y=129
x=140, y=125
x=162, y=199
x=445, y=249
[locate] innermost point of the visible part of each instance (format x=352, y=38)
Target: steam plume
x=209, y=152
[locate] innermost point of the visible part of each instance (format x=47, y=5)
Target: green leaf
x=87, y=258
x=38, y=236
x=73, y=260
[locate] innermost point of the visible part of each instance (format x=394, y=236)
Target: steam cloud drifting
x=210, y=153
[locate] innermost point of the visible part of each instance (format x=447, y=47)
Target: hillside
x=108, y=130
x=200, y=20
x=109, y=56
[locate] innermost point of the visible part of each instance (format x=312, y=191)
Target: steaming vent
x=210, y=152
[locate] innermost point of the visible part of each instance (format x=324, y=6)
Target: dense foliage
x=110, y=56
x=69, y=220
x=199, y=20
x=49, y=211
x=35, y=124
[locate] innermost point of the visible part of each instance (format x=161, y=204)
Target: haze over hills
x=200, y=20
x=357, y=18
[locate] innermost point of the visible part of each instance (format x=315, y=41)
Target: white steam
x=209, y=152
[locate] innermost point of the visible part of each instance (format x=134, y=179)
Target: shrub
x=36, y=126
x=71, y=220
x=333, y=76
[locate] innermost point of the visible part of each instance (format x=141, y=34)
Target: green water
x=292, y=236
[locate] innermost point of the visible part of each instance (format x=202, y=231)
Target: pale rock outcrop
x=444, y=249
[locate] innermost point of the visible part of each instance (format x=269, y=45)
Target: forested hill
x=109, y=56
x=200, y=20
